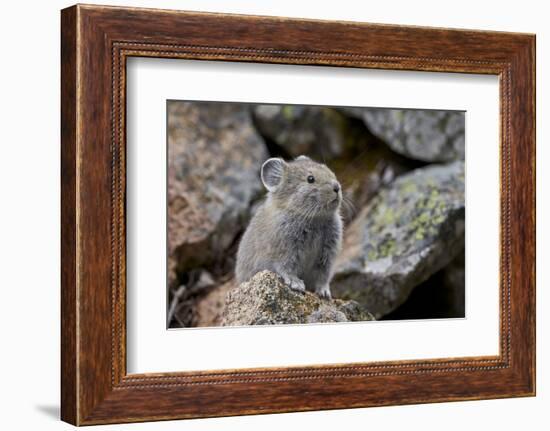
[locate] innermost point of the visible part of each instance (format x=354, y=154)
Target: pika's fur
x=297, y=230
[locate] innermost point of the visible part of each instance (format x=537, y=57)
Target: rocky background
x=402, y=172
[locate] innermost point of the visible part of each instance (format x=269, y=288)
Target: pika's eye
x=311, y=179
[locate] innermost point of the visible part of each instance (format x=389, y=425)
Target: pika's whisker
x=349, y=207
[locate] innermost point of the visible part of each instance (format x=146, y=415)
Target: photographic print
x=291, y=214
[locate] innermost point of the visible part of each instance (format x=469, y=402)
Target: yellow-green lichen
x=288, y=112
x=431, y=215
x=388, y=216
x=408, y=187
x=387, y=247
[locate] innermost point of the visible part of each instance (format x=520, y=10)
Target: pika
x=297, y=231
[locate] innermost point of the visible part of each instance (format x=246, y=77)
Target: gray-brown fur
x=297, y=231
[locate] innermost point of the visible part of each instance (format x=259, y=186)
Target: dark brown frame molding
x=95, y=43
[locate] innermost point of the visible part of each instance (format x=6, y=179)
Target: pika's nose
x=336, y=187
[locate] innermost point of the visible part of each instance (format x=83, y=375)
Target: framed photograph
x=264, y=215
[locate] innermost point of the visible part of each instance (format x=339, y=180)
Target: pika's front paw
x=294, y=283
x=323, y=291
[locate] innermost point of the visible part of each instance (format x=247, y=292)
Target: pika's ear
x=272, y=173
x=302, y=158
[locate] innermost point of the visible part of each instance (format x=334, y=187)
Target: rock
x=171, y=269
x=362, y=175
x=266, y=300
x=352, y=111
x=213, y=177
x=454, y=286
x=320, y=132
x=411, y=229
x=439, y=297
x=182, y=312
x=210, y=307
x=429, y=136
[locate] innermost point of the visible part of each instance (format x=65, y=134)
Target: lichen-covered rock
x=322, y=133
x=213, y=177
x=429, y=136
x=266, y=300
x=411, y=229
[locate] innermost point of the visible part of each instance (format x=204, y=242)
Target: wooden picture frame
x=95, y=43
